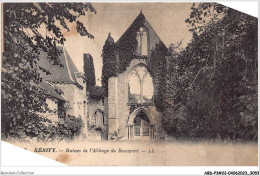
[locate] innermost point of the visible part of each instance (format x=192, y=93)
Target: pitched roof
x=63, y=74
x=141, y=21
x=51, y=90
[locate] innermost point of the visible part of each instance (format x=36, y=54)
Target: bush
x=43, y=129
x=69, y=128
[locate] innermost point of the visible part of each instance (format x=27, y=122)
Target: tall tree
x=218, y=72
x=89, y=70
x=28, y=29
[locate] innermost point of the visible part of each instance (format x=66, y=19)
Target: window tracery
x=140, y=86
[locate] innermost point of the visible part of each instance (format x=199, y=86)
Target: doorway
x=141, y=128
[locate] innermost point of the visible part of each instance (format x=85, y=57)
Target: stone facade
x=131, y=115
x=121, y=114
x=67, y=79
x=127, y=119
x=127, y=112
x=76, y=103
x=96, y=109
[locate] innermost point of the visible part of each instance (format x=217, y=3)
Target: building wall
x=76, y=104
x=95, y=105
x=112, y=106
x=118, y=108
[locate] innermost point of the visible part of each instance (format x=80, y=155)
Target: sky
x=167, y=19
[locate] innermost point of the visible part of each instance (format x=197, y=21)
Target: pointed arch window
x=98, y=118
x=141, y=125
x=140, y=86
x=142, y=42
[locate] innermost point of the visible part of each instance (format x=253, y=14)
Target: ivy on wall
x=96, y=92
x=209, y=90
x=117, y=57
x=157, y=65
x=127, y=44
x=109, y=62
x=89, y=70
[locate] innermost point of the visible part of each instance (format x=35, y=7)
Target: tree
x=157, y=65
x=94, y=92
x=110, y=64
x=89, y=70
x=28, y=29
x=217, y=76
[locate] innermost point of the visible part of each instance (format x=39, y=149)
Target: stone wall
x=118, y=108
x=76, y=101
x=93, y=106
x=112, y=106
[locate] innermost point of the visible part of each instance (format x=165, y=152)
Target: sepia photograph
x=130, y=84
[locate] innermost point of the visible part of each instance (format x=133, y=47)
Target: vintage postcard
x=131, y=84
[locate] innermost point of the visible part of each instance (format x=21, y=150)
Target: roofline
x=47, y=82
x=64, y=82
x=67, y=64
x=154, y=31
x=126, y=30
x=147, y=23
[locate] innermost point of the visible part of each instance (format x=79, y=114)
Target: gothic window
x=98, y=119
x=147, y=88
x=141, y=125
x=141, y=37
x=140, y=86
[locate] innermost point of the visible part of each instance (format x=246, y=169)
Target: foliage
x=30, y=126
x=96, y=92
x=127, y=44
x=89, y=70
x=109, y=68
x=117, y=56
x=28, y=29
x=157, y=65
x=69, y=128
x=216, y=77
x=208, y=90
x=43, y=129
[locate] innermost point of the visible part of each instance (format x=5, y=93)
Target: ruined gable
x=130, y=35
